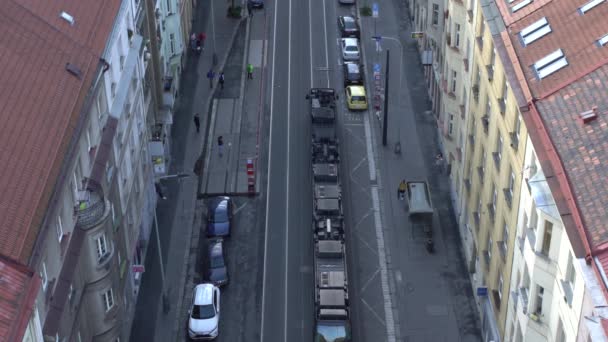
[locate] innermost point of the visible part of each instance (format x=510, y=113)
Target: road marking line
x=310, y=40
x=274, y=40
x=326, y=43
x=370, y=151
x=369, y=281
x=373, y=311
x=287, y=171
x=239, y=208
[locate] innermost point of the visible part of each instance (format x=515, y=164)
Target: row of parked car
x=203, y=323
x=350, y=33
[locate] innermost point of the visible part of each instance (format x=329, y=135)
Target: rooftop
x=17, y=295
x=47, y=65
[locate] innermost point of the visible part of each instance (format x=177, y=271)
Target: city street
x=397, y=291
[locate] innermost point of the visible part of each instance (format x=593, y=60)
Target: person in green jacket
x=250, y=71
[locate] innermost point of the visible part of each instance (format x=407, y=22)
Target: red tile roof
x=40, y=103
x=18, y=289
x=576, y=34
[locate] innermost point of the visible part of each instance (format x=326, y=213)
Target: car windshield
x=220, y=214
x=351, y=48
x=203, y=311
x=359, y=98
x=349, y=25
x=217, y=261
x=331, y=333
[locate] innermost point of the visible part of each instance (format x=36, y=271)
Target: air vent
x=74, y=70
x=588, y=6
x=589, y=115
x=550, y=64
x=67, y=17
x=535, y=31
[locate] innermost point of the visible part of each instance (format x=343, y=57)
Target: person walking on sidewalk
x=221, y=79
x=220, y=145
x=197, y=122
x=401, y=190
x=250, y=8
x=211, y=76
x=250, y=71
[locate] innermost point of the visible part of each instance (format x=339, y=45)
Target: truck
x=322, y=105
x=421, y=210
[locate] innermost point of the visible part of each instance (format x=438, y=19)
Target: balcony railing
x=492, y=211
x=485, y=121
x=91, y=206
x=508, y=196
x=514, y=140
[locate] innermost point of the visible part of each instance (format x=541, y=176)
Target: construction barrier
x=250, y=177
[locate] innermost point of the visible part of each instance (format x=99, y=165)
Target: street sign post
x=374, y=10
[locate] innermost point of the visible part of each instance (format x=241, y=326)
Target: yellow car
x=356, y=98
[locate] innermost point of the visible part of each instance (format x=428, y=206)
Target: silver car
x=350, y=49
x=346, y=2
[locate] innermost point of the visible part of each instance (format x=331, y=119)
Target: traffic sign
x=376, y=67
x=374, y=10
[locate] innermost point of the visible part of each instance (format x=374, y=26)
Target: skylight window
x=602, y=41
x=588, y=6
x=550, y=64
x=535, y=31
x=521, y=5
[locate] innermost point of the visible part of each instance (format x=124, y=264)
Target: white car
x=350, y=49
x=203, y=323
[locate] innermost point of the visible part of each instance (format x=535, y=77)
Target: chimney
x=589, y=115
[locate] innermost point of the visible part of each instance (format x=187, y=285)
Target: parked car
x=219, y=216
x=346, y=2
x=350, y=49
x=217, y=271
x=353, y=74
x=356, y=98
x=348, y=26
x=256, y=3
x=204, y=315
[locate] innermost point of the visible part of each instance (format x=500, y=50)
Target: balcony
x=497, y=299
x=502, y=105
x=523, y=295
x=91, y=206
x=487, y=258
x=480, y=42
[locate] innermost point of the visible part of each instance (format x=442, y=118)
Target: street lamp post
x=214, y=55
x=398, y=143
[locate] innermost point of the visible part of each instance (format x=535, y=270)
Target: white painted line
x=326, y=43
x=310, y=41
x=287, y=171
x=236, y=211
x=370, y=151
x=274, y=40
x=388, y=305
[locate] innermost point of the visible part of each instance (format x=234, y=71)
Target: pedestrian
x=197, y=122
x=211, y=76
x=220, y=145
x=221, y=79
x=439, y=162
x=193, y=41
x=250, y=71
x=250, y=8
x=201, y=37
x=401, y=190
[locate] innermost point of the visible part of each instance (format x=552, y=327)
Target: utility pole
x=385, y=123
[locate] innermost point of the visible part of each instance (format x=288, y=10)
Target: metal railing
x=90, y=211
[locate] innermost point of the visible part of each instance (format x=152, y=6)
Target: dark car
x=348, y=26
x=217, y=273
x=219, y=216
x=256, y=3
x=353, y=74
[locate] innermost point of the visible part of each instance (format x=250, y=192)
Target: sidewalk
x=178, y=215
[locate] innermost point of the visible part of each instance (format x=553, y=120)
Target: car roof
x=216, y=247
x=219, y=201
x=352, y=67
x=357, y=90
x=348, y=18
x=202, y=294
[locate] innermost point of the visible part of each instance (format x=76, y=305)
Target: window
x=489, y=248
x=511, y=183
x=535, y=31
x=482, y=29
x=550, y=64
x=518, y=126
x=71, y=293
x=102, y=247
x=489, y=108
x=500, y=285
x=454, y=78
x=560, y=336
x=108, y=299
x=498, y=153
x=494, y=197
x=169, y=6
x=538, y=305
x=59, y=227
x=435, y=14
x=493, y=59
x=570, y=272
x=172, y=43
x=547, y=238
x=122, y=62
x=505, y=238
x=457, y=35
x=533, y=217
x=44, y=276
x=451, y=125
